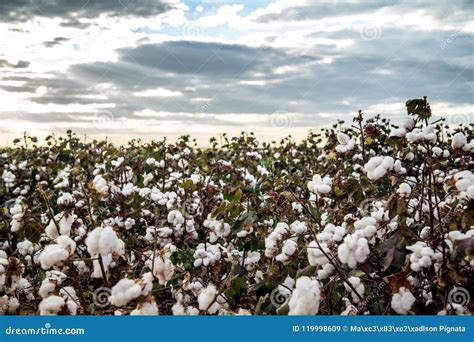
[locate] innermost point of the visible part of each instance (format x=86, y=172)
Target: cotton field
x=362, y=218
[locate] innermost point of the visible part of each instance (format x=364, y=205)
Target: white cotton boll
x=353, y=250
x=117, y=163
x=325, y=272
x=162, y=268
x=56, y=254
x=104, y=241
x=408, y=123
x=404, y=189
x=459, y=140
x=100, y=185
x=207, y=254
x=305, y=297
x=128, y=189
x=147, y=178
x=298, y=227
x=345, y=143
x=65, y=198
x=17, y=216
x=65, y=224
x=319, y=185
x=358, y=286
x=402, y=301
x=316, y=256
x=48, y=286
x=51, y=305
x=421, y=257
x=175, y=218
x=208, y=300
x=469, y=147
x=437, y=152
x=388, y=163
x=342, y=138
x=124, y=292
x=289, y=247
x=25, y=247
x=148, y=308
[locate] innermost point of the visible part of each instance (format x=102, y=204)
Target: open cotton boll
x=56, y=254
x=459, y=140
x=175, y=218
x=345, y=143
x=298, y=227
x=207, y=254
x=377, y=167
x=305, y=297
x=147, y=308
x=320, y=185
x=162, y=267
x=402, y=301
x=125, y=291
x=128, y=189
x=421, y=257
x=51, y=305
x=287, y=250
x=100, y=185
x=17, y=216
x=359, y=287
x=353, y=250
x=219, y=229
x=404, y=189
x=273, y=240
x=366, y=227
x=179, y=309
x=209, y=301
x=61, y=225
x=316, y=257
x=104, y=241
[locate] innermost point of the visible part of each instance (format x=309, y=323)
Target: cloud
x=72, y=11
x=317, y=62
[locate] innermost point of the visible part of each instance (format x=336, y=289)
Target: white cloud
x=159, y=92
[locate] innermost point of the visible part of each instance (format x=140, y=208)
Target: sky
x=148, y=69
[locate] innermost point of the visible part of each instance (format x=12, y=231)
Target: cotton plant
x=172, y=228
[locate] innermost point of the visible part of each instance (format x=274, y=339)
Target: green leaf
x=33, y=231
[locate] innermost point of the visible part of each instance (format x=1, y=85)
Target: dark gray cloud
x=72, y=10
x=17, y=65
x=322, y=77
x=55, y=41
x=314, y=10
